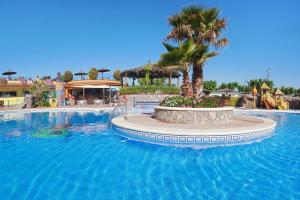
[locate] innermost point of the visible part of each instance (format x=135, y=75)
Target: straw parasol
x=81, y=74
x=9, y=73
x=102, y=70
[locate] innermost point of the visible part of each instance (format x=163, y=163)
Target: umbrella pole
x=109, y=95
x=103, y=94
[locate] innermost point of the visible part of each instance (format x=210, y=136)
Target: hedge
x=151, y=89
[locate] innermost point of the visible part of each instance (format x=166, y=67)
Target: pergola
x=155, y=72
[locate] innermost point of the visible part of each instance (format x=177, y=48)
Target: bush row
x=151, y=89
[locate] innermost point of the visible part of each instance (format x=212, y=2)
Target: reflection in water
x=89, y=128
x=52, y=124
x=14, y=133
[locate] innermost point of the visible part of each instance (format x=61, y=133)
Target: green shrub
x=68, y=76
x=209, y=102
x=151, y=89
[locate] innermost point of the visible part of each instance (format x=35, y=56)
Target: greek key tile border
x=181, y=139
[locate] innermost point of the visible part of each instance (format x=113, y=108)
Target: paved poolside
x=239, y=124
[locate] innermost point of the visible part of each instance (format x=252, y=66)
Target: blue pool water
x=86, y=160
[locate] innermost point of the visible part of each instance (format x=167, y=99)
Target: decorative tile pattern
x=181, y=139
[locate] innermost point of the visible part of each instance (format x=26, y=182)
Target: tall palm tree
x=182, y=57
x=204, y=27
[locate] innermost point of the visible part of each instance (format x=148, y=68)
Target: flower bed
x=190, y=102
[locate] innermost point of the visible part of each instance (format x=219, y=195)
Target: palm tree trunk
x=186, y=89
x=198, y=80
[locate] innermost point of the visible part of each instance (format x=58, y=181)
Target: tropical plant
x=204, y=27
x=182, y=57
x=117, y=75
x=93, y=74
x=159, y=81
x=147, y=69
x=39, y=93
x=68, y=76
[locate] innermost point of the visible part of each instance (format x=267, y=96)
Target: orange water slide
x=269, y=101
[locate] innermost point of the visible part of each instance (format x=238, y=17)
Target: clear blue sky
x=44, y=37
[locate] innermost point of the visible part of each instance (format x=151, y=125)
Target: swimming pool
x=75, y=155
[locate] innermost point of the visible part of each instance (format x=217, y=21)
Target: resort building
x=91, y=91
x=226, y=92
x=12, y=92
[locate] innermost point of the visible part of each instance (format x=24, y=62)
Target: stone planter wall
x=138, y=98
x=193, y=115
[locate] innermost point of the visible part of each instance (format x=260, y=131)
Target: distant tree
x=93, y=74
x=117, y=75
x=258, y=83
x=230, y=85
x=210, y=85
x=68, y=76
x=288, y=90
x=297, y=92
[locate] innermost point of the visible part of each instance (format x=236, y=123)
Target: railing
x=11, y=101
x=117, y=111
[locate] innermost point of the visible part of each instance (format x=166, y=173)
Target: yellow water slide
x=282, y=105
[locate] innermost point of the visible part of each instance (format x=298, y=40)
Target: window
x=8, y=94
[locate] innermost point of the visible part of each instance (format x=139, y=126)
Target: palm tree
x=182, y=57
x=204, y=27
x=199, y=60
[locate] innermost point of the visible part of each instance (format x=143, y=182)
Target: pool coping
x=264, y=125
x=87, y=109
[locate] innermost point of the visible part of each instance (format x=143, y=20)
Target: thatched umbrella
x=102, y=70
x=9, y=73
x=81, y=74
x=157, y=71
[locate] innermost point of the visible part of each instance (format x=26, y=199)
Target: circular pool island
x=193, y=115
x=197, y=127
